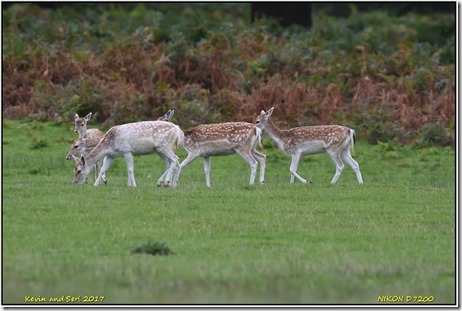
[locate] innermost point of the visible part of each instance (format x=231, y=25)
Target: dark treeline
x=293, y=12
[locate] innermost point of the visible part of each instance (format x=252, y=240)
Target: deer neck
x=277, y=135
x=99, y=152
x=91, y=142
x=82, y=133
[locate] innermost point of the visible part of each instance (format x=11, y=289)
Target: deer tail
x=258, y=133
x=179, y=137
x=352, y=140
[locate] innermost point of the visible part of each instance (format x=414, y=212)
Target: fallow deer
x=80, y=127
x=127, y=140
x=221, y=139
x=83, y=146
x=336, y=140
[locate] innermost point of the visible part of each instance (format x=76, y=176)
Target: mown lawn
x=277, y=243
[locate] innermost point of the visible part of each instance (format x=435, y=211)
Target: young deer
x=80, y=127
x=336, y=140
x=208, y=140
x=83, y=146
x=131, y=139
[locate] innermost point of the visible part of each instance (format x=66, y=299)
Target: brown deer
x=222, y=139
x=336, y=140
x=80, y=127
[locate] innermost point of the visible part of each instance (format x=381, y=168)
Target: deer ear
x=269, y=112
x=88, y=117
x=82, y=159
x=76, y=116
x=170, y=114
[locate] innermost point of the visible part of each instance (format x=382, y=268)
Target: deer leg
x=252, y=162
x=106, y=164
x=95, y=171
x=260, y=157
x=173, y=167
x=353, y=164
x=338, y=166
x=130, y=169
x=207, y=170
x=191, y=157
x=293, y=169
x=103, y=176
x=167, y=164
x=175, y=175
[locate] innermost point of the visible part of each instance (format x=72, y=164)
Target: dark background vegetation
x=387, y=70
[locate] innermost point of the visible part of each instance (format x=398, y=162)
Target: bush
x=385, y=75
x=433, y=133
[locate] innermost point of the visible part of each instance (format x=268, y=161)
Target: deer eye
x=76, y=146
x=79, y=171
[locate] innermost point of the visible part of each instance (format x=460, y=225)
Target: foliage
x=386, y=75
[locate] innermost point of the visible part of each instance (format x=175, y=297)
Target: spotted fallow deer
x=336, y=140
x=88, y=138
x=80, y=127
x=127, y=140
x=83, y=146
x=222, y=139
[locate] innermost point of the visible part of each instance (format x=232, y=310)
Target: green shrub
x=128, y=62
x=433, y=133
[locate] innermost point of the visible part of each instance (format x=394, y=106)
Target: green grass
x=277, y=243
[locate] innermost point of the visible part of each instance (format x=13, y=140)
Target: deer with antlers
x=222, y=139
x=336, y=140
x=127, y=140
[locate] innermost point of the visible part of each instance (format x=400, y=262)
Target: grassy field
x=277, y=243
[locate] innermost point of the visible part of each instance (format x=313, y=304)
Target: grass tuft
x=153, y=248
